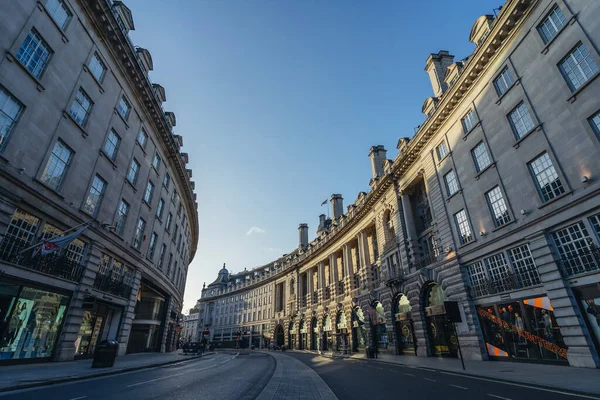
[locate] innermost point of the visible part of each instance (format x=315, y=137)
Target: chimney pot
x=302, y=235
x=337, y=205
x=377, y=154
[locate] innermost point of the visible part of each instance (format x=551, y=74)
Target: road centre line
x=460, y=387
x=499, y=397
x=432, y=380
x=582, y=396
x=406, y=373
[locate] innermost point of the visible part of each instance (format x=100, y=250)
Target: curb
x=95, y=375
x=463, y=373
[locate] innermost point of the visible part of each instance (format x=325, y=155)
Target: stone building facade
x=85, y=142
x=493, y=204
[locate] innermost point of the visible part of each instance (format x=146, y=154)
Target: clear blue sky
x=278, y=102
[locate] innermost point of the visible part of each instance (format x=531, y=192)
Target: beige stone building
x=493, y=204
x=84, y=141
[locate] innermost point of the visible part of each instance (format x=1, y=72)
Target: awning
x=539, y=302
x=494, y=351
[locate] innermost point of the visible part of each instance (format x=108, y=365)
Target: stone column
x=129, y=312
x=334, y=278
x=566, y=311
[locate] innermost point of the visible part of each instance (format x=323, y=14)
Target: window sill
x=131, y=184
x=515, y=83
x=492, y=165
x=443, y=158
x=459, y=191
x=565, y=194
x=116, y=234
x=512, y=221
x=571, y=21
x=12, y=58
x=526, y=135
x=67, y=115
x=86, y=69
x=574, y=95
x=42, y=7
x=136, y=249
x=467, y=244
x=155, y=170
x=464, y=137
x=166, y=188
x=104, y=155
x=123, y=119
x=147, y=204
x=138, y=143
x=159, y=219
x=39, y=182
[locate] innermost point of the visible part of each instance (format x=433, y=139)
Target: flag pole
x=57, y=235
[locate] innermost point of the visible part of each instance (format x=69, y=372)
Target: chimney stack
x=337, y=206
x=436, y=68
x=303, y=236
x=377, y=154
x=321, y=223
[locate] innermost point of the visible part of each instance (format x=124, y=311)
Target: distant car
x=192, y=347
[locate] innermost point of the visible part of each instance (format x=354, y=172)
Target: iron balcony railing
x=506, y=282
x=581, y=262
x=15, y=251
x=433, y=256
x=106, y=283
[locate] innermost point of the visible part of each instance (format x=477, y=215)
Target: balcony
x=56, y=264
x=427, y=259
x=509, y=281
x=105, y=283
x=581, y=262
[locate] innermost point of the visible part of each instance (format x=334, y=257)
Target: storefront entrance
x=279, y=336
x=360, y=336
x=303, y=336
x=524, y=330
x=342, y=333
x=30, y=321
x=588, y=298
x=327, y=334
x=442, y=335
x=405, y=338
x=149, y=323
x=292, y=335
x=314, y=334
x=378, y=327
x=100, y=322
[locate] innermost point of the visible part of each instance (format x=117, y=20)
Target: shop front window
x=524, y=329
x=31, y=323
x=380, y=333
x=404, y=325
x=588, y=298
x=361, y=336
x=442, y=333
x=327, y=337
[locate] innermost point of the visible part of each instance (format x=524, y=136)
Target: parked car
x=192, y=347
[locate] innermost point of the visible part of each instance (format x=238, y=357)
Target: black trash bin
x=105, y=354
x=370, y=352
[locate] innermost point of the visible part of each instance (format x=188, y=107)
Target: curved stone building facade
x=85, y=143
x=493, y=204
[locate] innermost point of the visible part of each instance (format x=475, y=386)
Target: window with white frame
x=112, y=144
x=121, y=218
x=10, y=110
x=451, y=183
x=462, y=226
x=139, y=233
x=34, y=54
x=134, y=170
x=57, y=165
x=595, y=221
x=503, y=81
x=442, y=150
x=156, y=161
x=152, y=245
x=97, y=67
x=497, y=267
x=481, y=157
x=520, y=120
x=124, y=108
x=546, y=178
x=142, y=138
x=23, y=227
x=59, y=12
x=573, y=245
x=149, y=192
x=477, y=278
x=578, y=67
x=524, y=266
x=94, y=197
x=552, y=24
x=128, y=275
x=160, y=208
x=81, y=107
x=498, y=207
x=469, y=121
x=594, y=121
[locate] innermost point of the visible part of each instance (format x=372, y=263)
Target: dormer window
x=481, y=29
x=123, y=17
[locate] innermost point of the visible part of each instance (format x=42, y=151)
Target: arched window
x=389, y=226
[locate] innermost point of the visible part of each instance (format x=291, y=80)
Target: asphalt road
x=369, y=380
x=215, y=377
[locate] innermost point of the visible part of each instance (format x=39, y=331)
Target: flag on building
x=323, y=203
x=58, y=243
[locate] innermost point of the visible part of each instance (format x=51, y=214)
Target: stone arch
x=279, y=335
x=403, y=324
x=327, y=324
x=314, y=333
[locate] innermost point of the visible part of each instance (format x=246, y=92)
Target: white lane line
x=499, y=397
x=406, y=373
x=78, y=398
x=432, y=380
x=582, y=396
x=460, y=387
x=379, y=368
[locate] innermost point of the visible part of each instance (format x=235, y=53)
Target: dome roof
x=222, y=278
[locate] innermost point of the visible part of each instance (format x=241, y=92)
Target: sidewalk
x=13, y=377
x=584, y=380
x=293, y=380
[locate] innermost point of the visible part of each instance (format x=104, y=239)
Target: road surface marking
x=427, y=369
x=406, y=373
x=78, y=398
x=582, y=396
x=379, y=368
x=499, y=397
x=432, y=380
x=460, y=387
